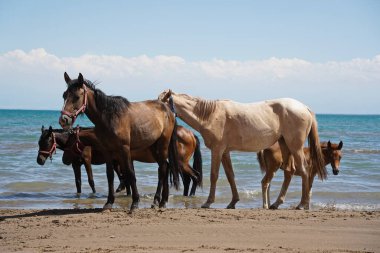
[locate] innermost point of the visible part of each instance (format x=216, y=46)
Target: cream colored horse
x=227, y=125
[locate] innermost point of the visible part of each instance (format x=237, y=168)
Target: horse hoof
x=133, y=207
x=231, y=206
x=107, y=207
x=154, y=206
x=273, y=207
x=206, y=205
x=162, y=205
x=302, y=207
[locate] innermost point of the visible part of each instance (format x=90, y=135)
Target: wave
x=346, y=206
x=365, y=151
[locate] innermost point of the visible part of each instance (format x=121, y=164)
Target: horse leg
x=191, y=177
x=193, y=186
x=227, y=165
x=299, y=160
x=311, y=185
x=165, y=181
x=285, y=185
x=216, y=156
x=129, y=173
x=87, y=165
x=265, y=187
x=111, y=193
x=121, y=186
x=186, y=184
x=157, y=196
x=288, y=167
x=77, y=175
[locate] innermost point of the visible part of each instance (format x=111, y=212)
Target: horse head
x=47, y=145
x=75, y=100
x=334, y=155
x=165, y=95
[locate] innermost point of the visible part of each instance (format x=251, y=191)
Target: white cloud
x=35, y=79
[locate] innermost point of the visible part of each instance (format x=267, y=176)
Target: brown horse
x=270, y=160
x=122, y=126
x=51, y=139
x=227, y=125
x=187, y=145
x=75, y=155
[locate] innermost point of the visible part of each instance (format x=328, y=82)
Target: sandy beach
x=189, y=230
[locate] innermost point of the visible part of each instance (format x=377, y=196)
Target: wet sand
x=189, y=230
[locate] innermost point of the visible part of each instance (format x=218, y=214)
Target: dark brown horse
x=51, y=139
x=271, y=159
x=75, y=155
x=187, y=145
x=122, y=126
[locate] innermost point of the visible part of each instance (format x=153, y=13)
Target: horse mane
x=204, y=108
x=109, y=106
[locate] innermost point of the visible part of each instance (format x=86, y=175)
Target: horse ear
x=329, y=144
x=67, y=78
x=80, y=79
x=340, y=145
x=42, y=128
x=50, y=129
x=167, y=96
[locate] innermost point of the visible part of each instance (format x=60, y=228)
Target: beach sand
x=189, y=230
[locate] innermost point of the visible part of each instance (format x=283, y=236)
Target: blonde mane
x=204, y=109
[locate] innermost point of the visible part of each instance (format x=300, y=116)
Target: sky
x=324, y=53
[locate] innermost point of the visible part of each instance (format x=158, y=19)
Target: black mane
x=109, y=106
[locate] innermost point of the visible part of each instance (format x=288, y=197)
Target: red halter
x=74, y=115
x=52, y=150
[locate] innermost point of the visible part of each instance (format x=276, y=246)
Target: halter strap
x=171, y=105
x=52, y=150
x=74, y=115
x=77, y=146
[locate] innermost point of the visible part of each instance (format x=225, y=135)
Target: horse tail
x=261, y=160
x=197, y=163
x=174, y=168
x=316, y=155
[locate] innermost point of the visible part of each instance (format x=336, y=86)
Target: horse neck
x=185, y=109
x=88, y=137
x=61, y=139
x=92, y=111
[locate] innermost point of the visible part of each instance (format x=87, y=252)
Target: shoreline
x=183, y=230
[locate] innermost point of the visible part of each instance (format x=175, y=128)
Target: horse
x=226, y=125
x=270, y=160
x=51, y=139
x=188, y=145
x=122, y=126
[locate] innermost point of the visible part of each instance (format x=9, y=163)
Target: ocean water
x=26, y=185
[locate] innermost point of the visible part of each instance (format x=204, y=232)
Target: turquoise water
x=25, y=184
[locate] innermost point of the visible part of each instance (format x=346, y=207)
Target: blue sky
x=243, y=50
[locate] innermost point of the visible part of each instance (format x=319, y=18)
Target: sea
x=26, y=185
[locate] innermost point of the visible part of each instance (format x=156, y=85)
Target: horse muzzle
x=66, y=121
x=335, y=171
x=41, y=159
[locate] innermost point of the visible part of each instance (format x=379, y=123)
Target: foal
x=270, y=160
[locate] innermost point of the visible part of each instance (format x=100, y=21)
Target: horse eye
x=75, y=98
